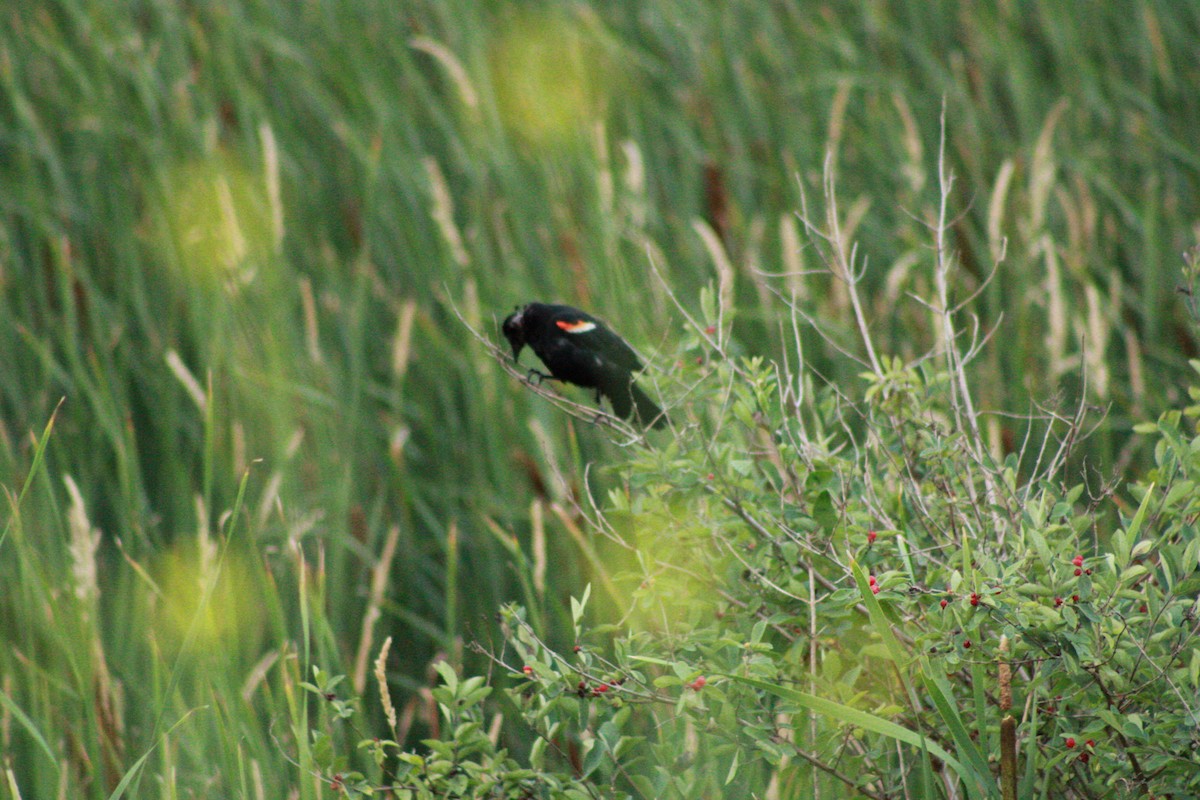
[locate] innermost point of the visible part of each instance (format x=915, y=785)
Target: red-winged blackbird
x=578, y=348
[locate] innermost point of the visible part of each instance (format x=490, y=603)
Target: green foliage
x=235, y=241
x=849, y=603
x=466, y=763
x=860, y=610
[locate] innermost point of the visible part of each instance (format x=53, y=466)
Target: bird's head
x=514, y=331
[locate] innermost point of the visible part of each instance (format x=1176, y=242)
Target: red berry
x=1078, y=572
x=871, y=580
x=966, y=644
x=1087, y=571
x=1142, y=608
x=1077, y=561
x=698, y=684
x=1070, y=742
x=1057, y=602
x=528, y=670
x=944, y=603
x=1085, y=757
x=710, y=330
x=711, y=477
x=874, y=589
x=601, y=689
x=871, y=537
x=1090, y=742
x=1074, y=598
x=974, y=599
x=578, y=648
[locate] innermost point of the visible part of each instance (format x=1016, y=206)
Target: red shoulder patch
x=576, y=326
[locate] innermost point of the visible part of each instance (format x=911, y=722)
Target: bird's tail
x=647, y=410
x=626, y=396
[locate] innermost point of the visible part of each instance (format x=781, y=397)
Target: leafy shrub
x=857, y=588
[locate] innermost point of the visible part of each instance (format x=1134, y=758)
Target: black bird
x=578, y=348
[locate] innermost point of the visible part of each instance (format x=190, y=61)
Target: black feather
x=580, y=349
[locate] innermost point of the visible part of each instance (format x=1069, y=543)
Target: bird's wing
x=593, y=335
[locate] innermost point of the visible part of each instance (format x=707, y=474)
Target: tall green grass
x=233, y=237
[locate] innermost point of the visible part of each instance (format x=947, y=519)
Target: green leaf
x=1114, y=720
x=592, y=758
x=1119, y=543
x=1135, y=526
x=879, y=620
x=1132, y=574
x=1164, y=567
x=733, y=767
x=39, y=455
x=30, y=727
x=626, y=744
x=578, y=606
x=943, y=699
x=136, y=770
x=855, y=717
x=449, y=676
x=1191, y=557
x=650, y=660
x=1179, y=491
x=824, y=513
x=1039, y=544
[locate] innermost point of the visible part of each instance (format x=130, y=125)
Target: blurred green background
x=234, y=236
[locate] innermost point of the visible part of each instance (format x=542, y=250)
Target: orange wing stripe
x=577, y=326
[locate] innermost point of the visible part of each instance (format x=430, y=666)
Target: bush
x=856, y=589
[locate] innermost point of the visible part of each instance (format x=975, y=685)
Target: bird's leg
x=541, y=376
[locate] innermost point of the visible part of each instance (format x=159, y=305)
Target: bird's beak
x=514, y=333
